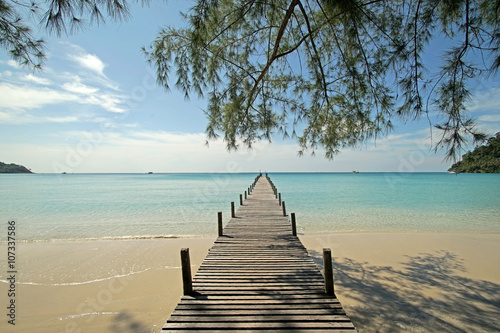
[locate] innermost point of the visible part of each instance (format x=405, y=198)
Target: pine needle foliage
x=333, y=73
x=19, y=18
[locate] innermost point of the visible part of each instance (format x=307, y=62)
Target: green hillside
x=484, y=159
x=13, y=168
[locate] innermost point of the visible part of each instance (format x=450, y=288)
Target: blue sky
x=96, y=108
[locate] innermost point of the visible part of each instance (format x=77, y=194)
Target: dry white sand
x=387, y=282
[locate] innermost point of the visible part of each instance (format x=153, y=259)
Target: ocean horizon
x=94, y=206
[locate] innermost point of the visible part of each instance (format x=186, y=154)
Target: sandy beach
x=387, y=282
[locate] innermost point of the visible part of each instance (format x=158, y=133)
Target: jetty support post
x=232, y=209
x=187, y=282
x=327, y=265
x=245, y=195
x=241, y=200
x=284, y=209
x=221, y=230
x=279, y=198
x=294, y=225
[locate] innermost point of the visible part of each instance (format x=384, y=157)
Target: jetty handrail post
x=284, y=209
x=232, y=209
x=187, y=282
x=294, y=225
x=279, y=198
x=219, y=217
x=241, y=200
x=245, y=195
x=327, y=264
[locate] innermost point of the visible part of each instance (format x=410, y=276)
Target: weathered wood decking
x=259, y=277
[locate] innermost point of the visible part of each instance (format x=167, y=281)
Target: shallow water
x=99, y=206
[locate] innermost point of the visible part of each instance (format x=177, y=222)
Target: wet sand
x=387, y=282
x=99, y=286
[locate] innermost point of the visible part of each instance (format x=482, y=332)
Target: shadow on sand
x=427, y=294
x=124, y=322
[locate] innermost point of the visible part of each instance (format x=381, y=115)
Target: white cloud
x=29, y=95
x=111, y=103
x=76, y=86
x=36, y=79
x=16, y=97
x=68, y=119
x=20, y=118
x=6, y=74
x=490, y=118
x=13, y=63
x=485, y=100
x=169, y=137
x=90, y=61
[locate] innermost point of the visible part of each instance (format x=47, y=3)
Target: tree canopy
x=19, y=18
x=340, y=71
x=483, y=159
x=333, y=73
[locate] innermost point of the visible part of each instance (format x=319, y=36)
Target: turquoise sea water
x=96, y=206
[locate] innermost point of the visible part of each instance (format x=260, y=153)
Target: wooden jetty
x=258, y=276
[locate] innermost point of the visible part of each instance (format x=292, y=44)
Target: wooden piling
x=245, y=195
x=284, y=209
x=232, y=209
x=241, y=200
x=187, y=282
x=221, y=230
x=294, y=226
x=328, y=271
x=279, y=198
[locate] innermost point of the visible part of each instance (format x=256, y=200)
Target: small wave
x=107, y=238
x=88, y=314
x=90, y=281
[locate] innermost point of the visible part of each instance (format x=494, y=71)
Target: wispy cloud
x=88, y=86
x=12, y=63
x=490, y=118
x=487, y=100
x=23, y=97
x=36, y=79
x=89, y=65
x=76, y=86
x=19, y=118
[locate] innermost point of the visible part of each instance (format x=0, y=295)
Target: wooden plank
x=259, y=318
x=261, y=325
x=257, y=312
x=260, y=301
x=207, y=306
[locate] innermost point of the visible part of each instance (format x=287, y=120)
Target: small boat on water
x=355, y=172
x=150, y=172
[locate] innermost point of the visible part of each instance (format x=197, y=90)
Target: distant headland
x=13, y=168
x=483, y=159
